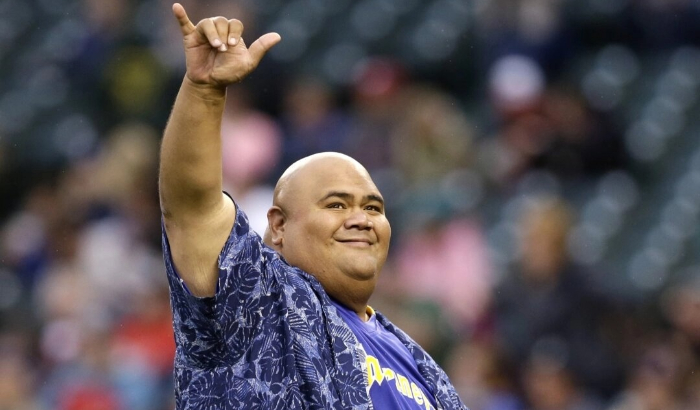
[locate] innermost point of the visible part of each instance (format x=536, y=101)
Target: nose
x=358, y=220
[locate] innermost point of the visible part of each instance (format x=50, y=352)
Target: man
x=281, y=325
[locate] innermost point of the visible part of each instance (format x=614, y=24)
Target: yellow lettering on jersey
x=403, y=385
x=374, y=371
x=389, y=374
x=417, y=393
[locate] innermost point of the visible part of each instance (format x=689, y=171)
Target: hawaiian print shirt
x=270, y=338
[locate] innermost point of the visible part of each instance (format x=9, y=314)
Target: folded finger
x=208, y=29
x=221, y=25
x=235, y=31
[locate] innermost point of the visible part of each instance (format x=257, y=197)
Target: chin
x=362, y=274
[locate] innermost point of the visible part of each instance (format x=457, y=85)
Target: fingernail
x=216, y=43
x=232, y=41
x=223, y=47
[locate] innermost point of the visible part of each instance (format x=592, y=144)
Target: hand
x=216, y=54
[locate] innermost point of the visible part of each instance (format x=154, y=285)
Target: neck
x=355, y=300
x=364, y=315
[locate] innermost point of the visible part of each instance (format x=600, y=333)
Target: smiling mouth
x=361, y=243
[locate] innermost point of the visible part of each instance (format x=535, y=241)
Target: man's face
x=335, y=225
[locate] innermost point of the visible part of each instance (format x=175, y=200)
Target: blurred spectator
x=658, y=378
x=444, y=259
x=17, y=376
x=681, y=304
x=102, y=30
x=106, y=24
x=312, y=121
x=483, y=377
x=422, y=319
x=85, y=381
x=545, y=127
x=143, y=350
x=516, y=88
x=252, y=148
x=548, y=296
x=434, y=137
x=23, y=237
x=106, y=18
x=133, y=81
x=375, y=112
x=580, y=142
x=692, y=390
x=550, y=384
x=505, y=157
x=533, y=28
x=118, y=250
x=516, y=85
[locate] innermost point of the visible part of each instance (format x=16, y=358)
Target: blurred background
x=540, y=161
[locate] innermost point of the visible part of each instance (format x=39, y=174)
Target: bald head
x=308, y=170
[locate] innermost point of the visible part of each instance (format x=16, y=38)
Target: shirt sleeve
x=216, y=331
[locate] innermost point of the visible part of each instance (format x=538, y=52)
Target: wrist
x=207, y=92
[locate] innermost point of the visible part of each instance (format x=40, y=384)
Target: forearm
x=190, y=164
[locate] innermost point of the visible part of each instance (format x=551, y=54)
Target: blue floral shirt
x=270, y=338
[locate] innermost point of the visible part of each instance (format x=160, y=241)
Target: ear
x=276, y=220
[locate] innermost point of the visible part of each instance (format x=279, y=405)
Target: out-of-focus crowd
x=538, y=158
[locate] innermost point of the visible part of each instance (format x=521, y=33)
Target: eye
x=373, y=208
x=335, y=205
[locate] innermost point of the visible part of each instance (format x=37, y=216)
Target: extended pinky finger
x=186, y=25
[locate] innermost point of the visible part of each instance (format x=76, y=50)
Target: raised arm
x=197, y=216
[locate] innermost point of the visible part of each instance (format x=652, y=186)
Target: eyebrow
x=349, y=197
